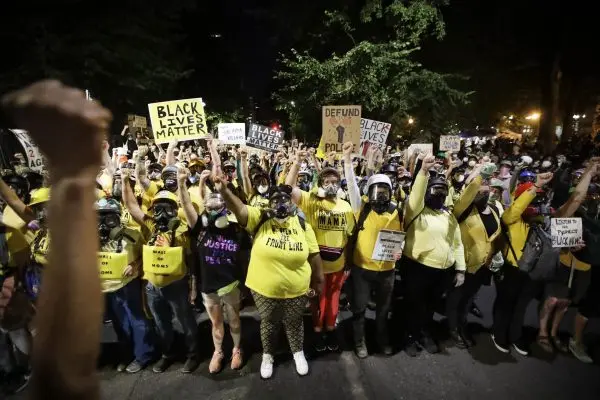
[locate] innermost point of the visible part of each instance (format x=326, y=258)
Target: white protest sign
x=450, y=143
x=566, y=232
x=35, y=160
x=425, y=148
x=389, y=243
x=373, y=133
x=232, y=133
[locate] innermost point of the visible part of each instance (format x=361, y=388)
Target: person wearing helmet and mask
x=433, y=255
x=35, y=179
x=375, y=214
x=221, y=249
x=195, y=167
x=333, y=222
x=168, y=284
x=120, y=263
x=516, y=289
x=285, y=266
x=305, y=180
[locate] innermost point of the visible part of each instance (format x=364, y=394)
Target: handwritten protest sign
x=426, y=148
x=35, y=160
x=264, y=138
x=137, y=121
x=450, y=143
x=340, y=124
x=566, y=232
x=373, y=134
x=232, y=133
x=389, y=243
x=177, y=120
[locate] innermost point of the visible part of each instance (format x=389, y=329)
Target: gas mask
x=39, y=211
x=328, y=191
x=539, y=207
x=380, y=197
x=394, y=181
x=215, y=212
x=106, y=222
x=170, y=184
x=481, y=200
x=282, y=207
x=193, y=178
x=163, y=213
x=437, y=191
x=117, y=189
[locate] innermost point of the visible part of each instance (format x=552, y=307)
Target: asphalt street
x=481, y=372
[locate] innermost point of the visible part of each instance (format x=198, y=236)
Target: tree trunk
x=550, y=103
x=568, y=101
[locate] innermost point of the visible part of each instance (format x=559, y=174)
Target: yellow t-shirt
x=367, y=238
x=258, y=201
x=279, y=267
x=133, y=250
x=333, y=223
x=180, y=240
x=567, y=259
x=18, y=237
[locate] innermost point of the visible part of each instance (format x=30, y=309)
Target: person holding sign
x=373, y=249
x=285, y=267
x=433, y=255
x=120, y=263
x=165, y=270
x=333, y=222
x=221, y=250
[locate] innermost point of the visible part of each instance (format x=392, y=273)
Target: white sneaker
x=579, y=352
x=301, y=364
x=266, y=367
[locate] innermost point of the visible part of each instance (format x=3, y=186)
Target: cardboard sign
x=137, y=121
x=111, y=265
x=450, y=143
x=35, y=160
x=426, y=148
x=232, y=133
x=178, y=120
x=163, y=260
x=389, y=243
x=264, y=138
x=341, y=124
x=566, y=232
x=373, y=133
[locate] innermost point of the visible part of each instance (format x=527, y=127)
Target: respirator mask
x=380, y=197
x=437, y=191
x=329, y=191
x=215, y=211
x=170, y=183
x=282, y=207
x=163, y=213
x=106, y=222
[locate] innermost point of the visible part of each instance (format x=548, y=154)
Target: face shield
x=380, y=196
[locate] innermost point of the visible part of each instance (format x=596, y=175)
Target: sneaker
x=361, y=350
x=162, y=365
x=236, y=359
x=521, y=348
x=320, y=343
x=459, y=341
x=190, y=365
x=578, y=350
x=332, y=341
x=412, y=347
x=301, y=364
x=429, y=344
x=215, y=362
x=122, y=367
x=501, y=346
x=134, y=367
x=266, y=367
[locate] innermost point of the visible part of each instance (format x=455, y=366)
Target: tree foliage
x=367, y=55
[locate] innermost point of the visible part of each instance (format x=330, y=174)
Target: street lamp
x=411, y=121
x=293, y=103
x=533, y=116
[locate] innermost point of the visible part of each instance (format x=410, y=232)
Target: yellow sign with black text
x=163, y=260
x=112, y=265
x=178, y=120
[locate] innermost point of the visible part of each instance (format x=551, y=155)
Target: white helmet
x=378, y=178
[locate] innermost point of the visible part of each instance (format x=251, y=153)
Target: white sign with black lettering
x=450, y=143
x=232, y=133
x=566, y=232
x=389, y=243
x=35, y=160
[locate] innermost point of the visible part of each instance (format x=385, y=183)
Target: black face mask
x=304, y=186
x=435, y=201
x=481, y=201
x=106, y=222
x=162, y=215
x=380, y=206
x=170, y=184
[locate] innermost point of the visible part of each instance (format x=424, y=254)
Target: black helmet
x=19, y=184
x=389, y=169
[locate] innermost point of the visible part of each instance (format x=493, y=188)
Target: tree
x=367, y=55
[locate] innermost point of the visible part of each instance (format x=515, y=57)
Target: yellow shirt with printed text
x=333, y=223
x=279, y=267
x=134, y=252
x=180, y=240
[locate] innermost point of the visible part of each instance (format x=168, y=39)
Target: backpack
x=539, y=259
x=364, y=213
